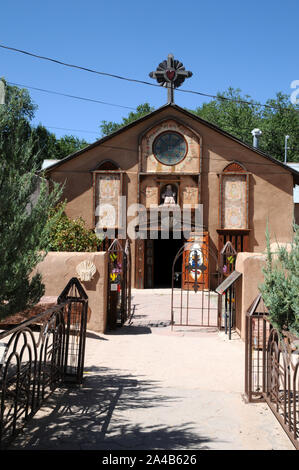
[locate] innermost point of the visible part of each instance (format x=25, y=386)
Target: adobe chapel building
x=173, y=156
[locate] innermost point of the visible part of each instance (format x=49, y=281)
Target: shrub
x=280, y=290
x=72, y=235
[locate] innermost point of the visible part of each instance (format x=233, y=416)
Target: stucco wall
x=247, y=288
x=250, y=265
x=271, y=186
x=59, y=267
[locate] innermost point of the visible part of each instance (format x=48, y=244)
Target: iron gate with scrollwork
x=119, y=283
x=38, y=355
x=195, y=275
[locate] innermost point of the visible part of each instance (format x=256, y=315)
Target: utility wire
x=71, y=96
x=73, y=130
x=120, y=77
x=111, y=104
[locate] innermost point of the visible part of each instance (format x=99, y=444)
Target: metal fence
x=119, y=283
x=271, y=368
x=38, y=355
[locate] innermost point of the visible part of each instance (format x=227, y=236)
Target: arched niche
x=148, y=161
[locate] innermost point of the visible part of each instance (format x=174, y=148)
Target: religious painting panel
x=190, y=195
x=149, y=192
x=107, y=189
x=234, y=201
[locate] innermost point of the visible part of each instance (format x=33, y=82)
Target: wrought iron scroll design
x=271, y=370
x=186, y=309
x=119, y=283
x=38, y=355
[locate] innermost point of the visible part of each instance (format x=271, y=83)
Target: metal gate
x=119, y=283
x=195, y=276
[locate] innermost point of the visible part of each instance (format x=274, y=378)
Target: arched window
x=109, y=165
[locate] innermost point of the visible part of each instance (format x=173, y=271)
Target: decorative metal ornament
x=171, y=74
x=86, y=270
x=195, y=265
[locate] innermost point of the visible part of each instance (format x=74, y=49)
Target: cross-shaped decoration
x=171, y=74
x=195, y=266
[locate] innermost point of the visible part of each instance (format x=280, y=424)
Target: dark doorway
x=164, y=254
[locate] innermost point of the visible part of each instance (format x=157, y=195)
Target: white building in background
x=35, y=195
x=48, y=163
x=295, y=166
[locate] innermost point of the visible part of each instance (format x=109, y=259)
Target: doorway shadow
x=129, y=330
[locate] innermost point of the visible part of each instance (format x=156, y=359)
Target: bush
x=72, y=235
x=280, y=290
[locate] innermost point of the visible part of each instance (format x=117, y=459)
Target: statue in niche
x=169, y=196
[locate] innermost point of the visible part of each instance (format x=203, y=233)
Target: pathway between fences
x=147, y=387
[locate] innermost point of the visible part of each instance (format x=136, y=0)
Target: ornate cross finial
x=171, y=74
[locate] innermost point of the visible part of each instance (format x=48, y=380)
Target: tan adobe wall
x=247, y=288
x=59, y=267
x=250, y=265
x=271, y=186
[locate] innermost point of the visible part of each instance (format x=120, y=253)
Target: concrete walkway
x=147, y=387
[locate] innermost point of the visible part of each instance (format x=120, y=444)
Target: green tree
x=44, y=143
x=281, y=285
x=278, y=122
x=25, y=204
x=71, y=234
x=49, y=147
x=232, y=113
x=67, y=145
x=108, y=127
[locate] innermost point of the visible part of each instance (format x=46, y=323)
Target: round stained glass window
x=170, y=148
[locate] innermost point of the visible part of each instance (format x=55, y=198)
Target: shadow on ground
x=99, y=415
x=130, y=330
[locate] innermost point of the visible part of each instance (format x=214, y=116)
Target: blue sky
x=250, y=45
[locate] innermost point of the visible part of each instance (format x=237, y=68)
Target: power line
x=97, y=101
x=60, y=62
x=71, y=96
x=120, y=77
x=73, y=130
x=110, y=104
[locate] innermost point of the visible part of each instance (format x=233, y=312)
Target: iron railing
x=195, y=303
x=119, y=283
x=271, y=369
x=38, y=355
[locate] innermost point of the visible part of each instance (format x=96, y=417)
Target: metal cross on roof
x=171, y=74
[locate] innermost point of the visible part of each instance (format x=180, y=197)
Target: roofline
x=188, y=114
x=107, y=137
